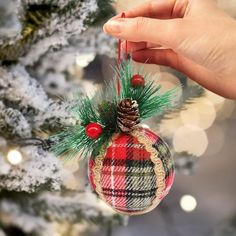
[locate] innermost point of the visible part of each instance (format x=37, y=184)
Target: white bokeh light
x=217, y=100
x=84, y=59
x=170, y=125
x=190, y=139
x=216, y=137
x=14, y=157
x=169, y=81
x=201, y=114
x=188, y=203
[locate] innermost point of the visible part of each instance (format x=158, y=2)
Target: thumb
x=141, y=29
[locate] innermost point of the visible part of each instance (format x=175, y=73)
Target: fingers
x=161, y=9
x=198, y=73
x=141, y=29
x=165, y=57
x=132, y=46
x=168, y=57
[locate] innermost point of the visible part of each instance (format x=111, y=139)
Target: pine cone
x=127, y=115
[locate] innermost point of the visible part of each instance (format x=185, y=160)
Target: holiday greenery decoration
x=130, y=168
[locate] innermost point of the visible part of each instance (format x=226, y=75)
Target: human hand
x=192, y=36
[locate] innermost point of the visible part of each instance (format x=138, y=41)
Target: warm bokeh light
x=169, y=126
x=216, y=137
x=201, y=113
x=90, y=88
x=188, y=203
x=217, y=100
x=227, y=110
x=14, y=157
x=190, y=139
x=169, y=81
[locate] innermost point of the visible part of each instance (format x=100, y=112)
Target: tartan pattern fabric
x=166, y=157
x=128, y=180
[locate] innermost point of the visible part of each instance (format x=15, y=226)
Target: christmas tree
x=45, y=48
x=39, y=44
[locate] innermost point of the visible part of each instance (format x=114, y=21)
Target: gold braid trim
x=158, y=169
x=97, y=170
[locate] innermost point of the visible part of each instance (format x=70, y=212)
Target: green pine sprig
x=102, y=109
x=150, y=99
x=84, y=110
x=73, y=139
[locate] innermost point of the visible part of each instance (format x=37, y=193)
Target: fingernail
x=113, y=26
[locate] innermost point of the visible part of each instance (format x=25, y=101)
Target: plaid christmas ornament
x=133, y=173
x=131, y=168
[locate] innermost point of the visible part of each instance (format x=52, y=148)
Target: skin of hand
x=191, y=36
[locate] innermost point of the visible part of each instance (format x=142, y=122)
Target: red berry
x=93, y=130
x=137, y=81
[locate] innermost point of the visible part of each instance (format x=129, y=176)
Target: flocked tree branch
x=48, y=24
x=32, y=34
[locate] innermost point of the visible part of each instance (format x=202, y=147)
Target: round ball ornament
x=134, y=172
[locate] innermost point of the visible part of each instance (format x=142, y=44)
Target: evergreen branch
x=42, y=21
x=150, y=99
x=73, y=140
x=157, y=103
x=80, y=205
x=84, y=110
x=35, y=18
x=105, y=12
x=103, y=110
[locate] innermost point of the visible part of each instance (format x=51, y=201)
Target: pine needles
x=150, y=99
x=102, y=110
x=73, y=139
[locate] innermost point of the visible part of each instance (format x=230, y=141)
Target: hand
x=192, y=36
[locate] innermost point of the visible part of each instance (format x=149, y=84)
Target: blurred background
x=49, y=49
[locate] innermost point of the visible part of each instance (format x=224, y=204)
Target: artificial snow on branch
x=37, y=214
x=12, y=215
x=10, y=26
x=79, y=206
x=38, y=170
x=26, y=108
x=65, y=77
x=48, y=24
x=13, y=123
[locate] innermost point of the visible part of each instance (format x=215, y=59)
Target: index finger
x=159, y=9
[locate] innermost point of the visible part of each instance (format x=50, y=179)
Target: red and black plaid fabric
x=128, y=180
